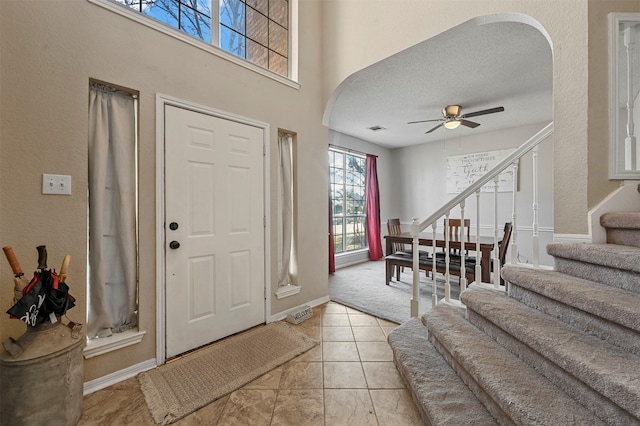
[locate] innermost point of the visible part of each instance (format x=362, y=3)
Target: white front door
x=214, y=230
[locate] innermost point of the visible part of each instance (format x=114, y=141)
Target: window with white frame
x=347, y=173
x=256, y=30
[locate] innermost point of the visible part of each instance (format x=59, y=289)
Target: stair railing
x=512, y=159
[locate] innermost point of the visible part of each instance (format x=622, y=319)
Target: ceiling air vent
x=377, y=128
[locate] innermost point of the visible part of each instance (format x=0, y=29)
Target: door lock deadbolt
x=173, y=226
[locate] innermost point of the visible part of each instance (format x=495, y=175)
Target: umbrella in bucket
x=45, y=297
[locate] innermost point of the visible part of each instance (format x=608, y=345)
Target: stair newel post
x=514, y=215
x=478, y=273
x=535, y=237
x=463, y=253
x=415, y=231
x=447, y=285
x=496, y=247
x=434, y=283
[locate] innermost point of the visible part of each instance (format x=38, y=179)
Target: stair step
x=600, y=376
x=440, y=395
x=510, y=389
x=609, y=313
x=622, y=228
x=611, y=264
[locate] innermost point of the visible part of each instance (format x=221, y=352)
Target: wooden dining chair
x=402, y=255
x=470, y=263
x=455, y=231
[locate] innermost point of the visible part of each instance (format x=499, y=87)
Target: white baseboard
x=572, y=238
x=118, y=376
x=282, y=315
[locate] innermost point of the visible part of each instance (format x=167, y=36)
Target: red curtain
x=332, y=257
x=373, y=209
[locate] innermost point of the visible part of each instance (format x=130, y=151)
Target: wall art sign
x=463, y=170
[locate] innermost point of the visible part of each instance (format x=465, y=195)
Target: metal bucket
x=44, y=384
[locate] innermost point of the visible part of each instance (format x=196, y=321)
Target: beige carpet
x=180, y=387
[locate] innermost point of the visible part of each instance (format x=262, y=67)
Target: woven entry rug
x=179, y=388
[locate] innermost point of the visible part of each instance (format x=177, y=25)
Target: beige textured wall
x=48, y=52
x=599, y=186
x=360, y=33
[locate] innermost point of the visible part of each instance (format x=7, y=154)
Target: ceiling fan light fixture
x=451, y=110
x=452, y=124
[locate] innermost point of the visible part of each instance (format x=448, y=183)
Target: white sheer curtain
x=285, y=240
x=112, y=212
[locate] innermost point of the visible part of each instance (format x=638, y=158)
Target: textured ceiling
x=476, y=65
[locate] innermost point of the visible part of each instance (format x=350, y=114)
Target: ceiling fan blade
x=483, y=112
x=468, y=123
x=425, y=121
x=439, y=125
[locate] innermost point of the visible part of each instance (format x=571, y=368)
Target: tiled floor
x=348, y=379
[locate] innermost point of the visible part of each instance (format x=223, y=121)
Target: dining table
x=487, y=245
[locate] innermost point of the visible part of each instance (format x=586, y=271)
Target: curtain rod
x=350, y=150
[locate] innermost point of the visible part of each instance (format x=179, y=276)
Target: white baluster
x=478, y=256
x=535, y=237
x=514, y=215
x=463, y=240
x=434, y=283
x=496, y=259
x=415, y=226
x=447, y=285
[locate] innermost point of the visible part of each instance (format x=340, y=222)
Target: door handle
x=174, y=245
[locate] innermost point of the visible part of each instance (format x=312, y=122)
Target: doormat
x=179, y=388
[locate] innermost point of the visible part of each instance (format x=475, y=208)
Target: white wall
x=420, y=175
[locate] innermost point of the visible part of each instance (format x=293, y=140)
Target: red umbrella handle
x=13, y=261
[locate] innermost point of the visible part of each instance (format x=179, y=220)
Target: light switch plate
x=56, y=184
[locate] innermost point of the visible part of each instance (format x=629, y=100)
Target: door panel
x=214, y=191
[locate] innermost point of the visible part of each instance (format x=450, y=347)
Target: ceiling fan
x=452, y=118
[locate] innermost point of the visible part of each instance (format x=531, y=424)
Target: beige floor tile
x=344, y=375
x=369, y=334
x=335, y=320
x=339, y=351
x=313, y=354
x=337, y=334
x=348, y=407
x=300, y=407
x=382, y=375
x=395, y=408
x=249, y=407
x=334, y=308
x=206, y=414
x=374, y=351
x=314, y=333
x=270, y=380
x=363, y=320
x=115, y=406
x=301, y=375
x=387, y=330
x=385, y=323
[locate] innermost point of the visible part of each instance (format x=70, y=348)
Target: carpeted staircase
x=561, y=348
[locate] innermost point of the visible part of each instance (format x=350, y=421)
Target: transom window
x=347, y=174
x=256, y=30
